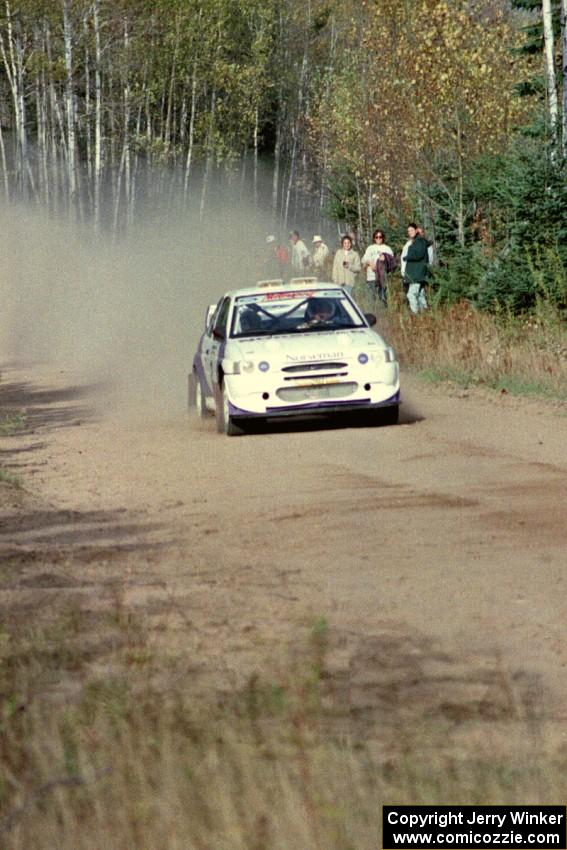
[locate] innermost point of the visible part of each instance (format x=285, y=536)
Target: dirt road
x=435, y=550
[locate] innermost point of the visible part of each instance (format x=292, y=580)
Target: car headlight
x=385, y=355
x=243, y=367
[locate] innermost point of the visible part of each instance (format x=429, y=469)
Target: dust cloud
x=125, y=312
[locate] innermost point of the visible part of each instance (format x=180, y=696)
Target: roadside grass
x=505, y=384
x=12, y=424
x=9, y=478
x=104, y=743
x=522, y=355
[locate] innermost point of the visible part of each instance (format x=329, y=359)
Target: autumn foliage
x=422, y=90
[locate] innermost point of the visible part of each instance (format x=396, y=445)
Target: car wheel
x=195, y=396
x=200, y=399
x=225, y=423
x=191, y=390
x=389, y=415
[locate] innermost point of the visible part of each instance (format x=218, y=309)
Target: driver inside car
x=250, y=321
x=319, y=311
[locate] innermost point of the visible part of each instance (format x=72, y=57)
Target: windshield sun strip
x=295, y=331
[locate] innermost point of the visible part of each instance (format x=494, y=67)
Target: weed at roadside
x=524, y=355
x=9, y=478
x=128, y=760
x=12, y=424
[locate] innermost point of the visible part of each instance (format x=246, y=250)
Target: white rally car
x=297, y=349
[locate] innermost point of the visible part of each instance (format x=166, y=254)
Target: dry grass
x=520, y=355
x=104, y=741
x=118, y=753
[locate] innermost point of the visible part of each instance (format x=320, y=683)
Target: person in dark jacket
x=415, y=266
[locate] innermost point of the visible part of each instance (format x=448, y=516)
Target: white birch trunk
x=41, y=138
x=256, y=135
x=295, y=137
x=42, y=123
x=189, y=160
x=5, y=174
x=276, y=174
x=325, y=153
x=564, y=71
x=127, y=111
x=168, y=117
x=183, y=118
x=97, y=173
x=88, y=109
x=549, y=53
x=57, y=141
x=209, y=158
x=279, y=133
x=124, y=168
x=70, y=103
x=14, y=67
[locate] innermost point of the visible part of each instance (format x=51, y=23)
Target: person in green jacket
x=415, y=268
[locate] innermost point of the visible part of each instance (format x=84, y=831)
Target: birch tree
x=564, y=72
x=549, y=54
x=441, y=95
x=70, y=102
x=13, y=49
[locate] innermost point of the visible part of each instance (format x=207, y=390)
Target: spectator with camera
x=346, y=265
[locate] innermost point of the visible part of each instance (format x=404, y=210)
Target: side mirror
x=370, y=318
x=209, y=315
x=218, y=334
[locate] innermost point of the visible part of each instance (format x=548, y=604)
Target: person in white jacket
x=374, y=255
x=300, y=256
x=320, y=255
x=346, y=265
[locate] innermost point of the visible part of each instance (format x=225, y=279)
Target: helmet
x=319, y=309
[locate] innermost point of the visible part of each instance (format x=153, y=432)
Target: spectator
x=276, y=262
x=320, y=258
x=415, y=268
x=430, y=248
x=346, y=265
x=300, y=256
x=271, y=266
x=378, y=259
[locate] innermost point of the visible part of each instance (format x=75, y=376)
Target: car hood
x=309, y=347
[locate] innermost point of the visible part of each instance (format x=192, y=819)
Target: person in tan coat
x=346, y=265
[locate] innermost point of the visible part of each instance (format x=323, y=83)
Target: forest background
x=368, y=114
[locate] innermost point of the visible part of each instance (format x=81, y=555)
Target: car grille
x=314, y=393
x=326, y=375
x=315, y=367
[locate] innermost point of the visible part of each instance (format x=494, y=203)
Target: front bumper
x=335, y=389
x=317, y=408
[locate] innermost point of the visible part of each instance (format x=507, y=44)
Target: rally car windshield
x=285, y=312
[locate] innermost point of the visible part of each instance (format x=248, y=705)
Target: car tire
x=389, y=415
x=225, y=423
x=191, y=390
x=196, y=398
x=201, y=399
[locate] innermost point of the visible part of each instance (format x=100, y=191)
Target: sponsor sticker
x=307, y=358
x=279, y=296
x=291, y=295
x=315, y=382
